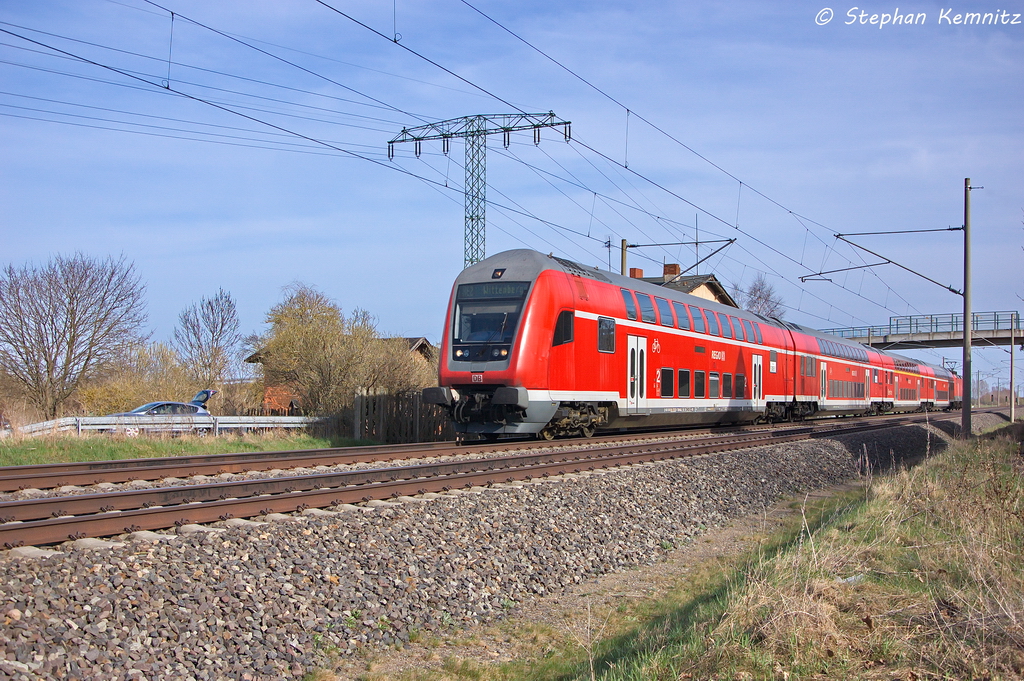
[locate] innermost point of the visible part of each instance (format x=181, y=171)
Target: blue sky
x=765, y=120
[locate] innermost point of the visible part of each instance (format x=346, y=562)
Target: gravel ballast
x=275, y=600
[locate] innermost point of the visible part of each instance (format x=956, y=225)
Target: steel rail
x=126, y=511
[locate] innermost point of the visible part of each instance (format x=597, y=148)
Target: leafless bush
x=61, y=322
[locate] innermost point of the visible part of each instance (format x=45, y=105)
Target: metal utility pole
x=965, y=417
x=474, y=129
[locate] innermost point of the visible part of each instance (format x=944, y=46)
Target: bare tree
x=207, y=338
x=61, y=321
x=760, y=297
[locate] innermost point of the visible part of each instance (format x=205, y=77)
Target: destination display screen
x=498, y=289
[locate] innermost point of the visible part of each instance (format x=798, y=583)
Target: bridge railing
x=933, y=323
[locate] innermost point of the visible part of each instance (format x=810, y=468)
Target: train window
x=563, y=328
x=664, y=311
x=874, y=373
x=682, y=316
x=698, y=319
x=740, y=386
x=646, y=308
x=605, y=334
x=627, y=297
x=739, y=329
x=750, y=331
x=757, y=333
x=712, y=323
x=726, y=385
x=726, y=326
x=684, y=382
x=667, y=383
x=488, y=313
x=698, y=384
x=813, y=366
x=714, y=386
x=773, y=362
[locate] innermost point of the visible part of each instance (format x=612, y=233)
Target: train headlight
x=495, y=352
x=504, y=352
x=460, y=352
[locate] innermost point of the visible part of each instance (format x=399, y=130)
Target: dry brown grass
x=926, y=580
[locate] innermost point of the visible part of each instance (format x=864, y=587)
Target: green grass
x=63, y=449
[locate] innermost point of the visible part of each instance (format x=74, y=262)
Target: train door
x=756, y=381
x=636, y=379
x=823, y=387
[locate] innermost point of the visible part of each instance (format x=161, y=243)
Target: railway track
x=57, y=519
x=50, y=476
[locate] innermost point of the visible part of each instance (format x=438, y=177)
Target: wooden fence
x=399, y=418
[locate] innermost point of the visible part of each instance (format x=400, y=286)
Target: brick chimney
x=636, y=273
x=671, y=270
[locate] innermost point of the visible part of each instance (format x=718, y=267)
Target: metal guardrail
x=133, y=425
x=933, y=323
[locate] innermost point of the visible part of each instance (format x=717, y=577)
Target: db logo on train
x=478, y=378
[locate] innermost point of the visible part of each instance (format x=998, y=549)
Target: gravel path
x=273, y=601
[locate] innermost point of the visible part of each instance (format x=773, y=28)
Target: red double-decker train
x=535, y=344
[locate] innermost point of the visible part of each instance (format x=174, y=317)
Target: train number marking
x=718, y=354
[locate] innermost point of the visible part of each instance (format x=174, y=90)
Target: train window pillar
x=605, y=334
x=564, y=328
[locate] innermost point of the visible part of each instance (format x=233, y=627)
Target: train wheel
x=546, y=434
x=588, y=431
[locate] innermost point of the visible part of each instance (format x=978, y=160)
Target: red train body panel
x=537, y=344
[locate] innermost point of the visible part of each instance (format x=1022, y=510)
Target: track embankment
x=273, y=600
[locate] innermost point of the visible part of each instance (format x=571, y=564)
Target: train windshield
x=489, y=312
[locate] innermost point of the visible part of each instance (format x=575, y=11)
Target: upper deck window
x=698, y=319
x=627, y=297
x=488, y=312
x=712, y=323
x=646, y=308
x=665, y=311
x=682, y=316
x=726, y=325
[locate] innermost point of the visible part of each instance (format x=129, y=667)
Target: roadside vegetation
x=26, y=451
x=917, y=575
